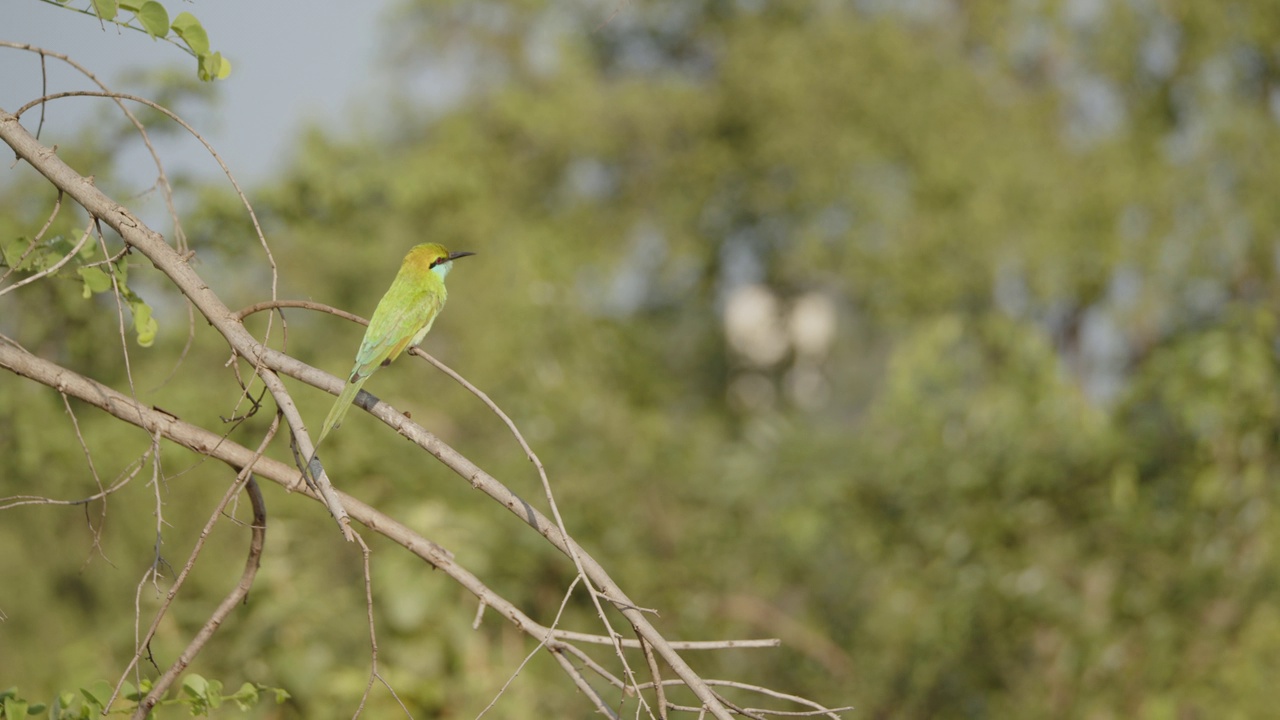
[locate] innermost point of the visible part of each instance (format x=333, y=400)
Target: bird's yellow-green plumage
x=403, y=318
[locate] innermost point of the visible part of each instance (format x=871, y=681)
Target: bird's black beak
x=455, y=255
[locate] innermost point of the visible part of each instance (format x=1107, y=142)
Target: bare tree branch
x=269, y=365
x=237, y=594
x=242, y=478
x=162, y=179
x=174, y=265
x=373, y=639
x=210, y=444
x=581, y=682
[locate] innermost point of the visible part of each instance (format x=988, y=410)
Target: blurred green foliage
x=1030, y=474
x=197, y=695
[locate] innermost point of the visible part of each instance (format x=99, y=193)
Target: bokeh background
x=935, y=338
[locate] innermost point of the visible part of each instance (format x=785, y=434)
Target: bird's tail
x=340, y=407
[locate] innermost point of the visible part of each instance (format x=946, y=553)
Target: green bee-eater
x=403, y=318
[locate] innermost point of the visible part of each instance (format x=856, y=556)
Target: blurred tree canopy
x=998, y=435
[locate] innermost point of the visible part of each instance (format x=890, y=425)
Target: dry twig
x=235, y=597
x=244, y=477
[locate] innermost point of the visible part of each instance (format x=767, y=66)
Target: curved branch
x=213, y=445
x=237, y=594
x=162, y=178
x=242, y=478
x=174, y=265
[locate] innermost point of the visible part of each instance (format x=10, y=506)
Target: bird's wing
x=401, y=314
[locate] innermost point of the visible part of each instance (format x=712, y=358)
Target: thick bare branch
x=211, y=444
x=174, y=265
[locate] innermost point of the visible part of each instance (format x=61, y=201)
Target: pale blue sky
x=294, y=63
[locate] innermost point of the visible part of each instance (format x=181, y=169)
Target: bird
x=402, y=319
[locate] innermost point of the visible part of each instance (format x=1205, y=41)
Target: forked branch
x=242, y=459
x=270, y=365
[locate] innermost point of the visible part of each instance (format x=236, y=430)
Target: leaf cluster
x=29, y=256
x=151, y=17
x=199, y=696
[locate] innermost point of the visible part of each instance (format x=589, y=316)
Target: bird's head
x=434, y=257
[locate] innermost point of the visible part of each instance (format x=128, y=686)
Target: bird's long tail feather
x=340, y=407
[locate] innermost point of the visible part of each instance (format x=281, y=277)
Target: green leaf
x=214, y=67
x=128, y=691
x=12, y=251
x=60, y=245
x=36, y=709
x=129, y=6
x=106, y=9
x=192, y=33
x=40, y=259
x=195, y=685
x=204, y=694
x=14, y=708
x=143, y=324
x=154, y=18
x=96, y=696
x=61, y=704
x=281, y=695
x=247, y=696
x=247, y=689
x=95, y=280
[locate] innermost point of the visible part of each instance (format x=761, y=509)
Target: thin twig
x=162, y=178
x=616, y=9
x=677, y=644
x=818, y=709
x=231, y=178
x=117, y=23
x=594, y=666
x=564, y=602
x=373, y=640
x=35, y=240
x=237, y=594
x=765, y=712
x=253, y=217
x=128, y=474
x=551, y=501
x=88, y=233
x=660, y=695
x=97, y=480
x=245, y=312
x=158, y=559
x=244, y=477
x=581, y=682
